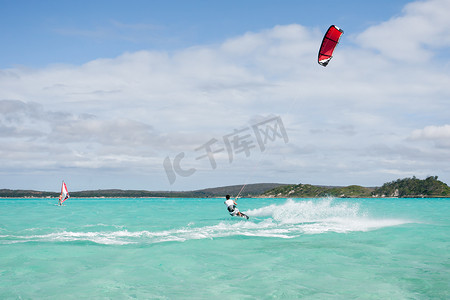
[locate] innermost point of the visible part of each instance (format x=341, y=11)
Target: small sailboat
x=64, y=193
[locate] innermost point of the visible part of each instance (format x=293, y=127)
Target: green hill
x=250, y=190
x=7, y=193
x=407, y=187
x=313, y=191
x=414, y=187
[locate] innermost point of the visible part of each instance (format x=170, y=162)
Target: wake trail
x=287, y=220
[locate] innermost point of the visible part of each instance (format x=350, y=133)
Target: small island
x=413, y=187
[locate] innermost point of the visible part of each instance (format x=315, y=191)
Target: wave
x=308, y=211
x=313, y=217
x=288, y=220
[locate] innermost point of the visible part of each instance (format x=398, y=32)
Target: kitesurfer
x=232, y=209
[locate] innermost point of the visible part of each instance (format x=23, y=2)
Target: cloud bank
x=378, y=111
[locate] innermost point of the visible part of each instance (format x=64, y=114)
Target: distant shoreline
x=413, y=187
x=259, y=197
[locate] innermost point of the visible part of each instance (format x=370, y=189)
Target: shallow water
x=191, y=248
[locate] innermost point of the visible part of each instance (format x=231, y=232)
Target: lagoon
x=166, y=248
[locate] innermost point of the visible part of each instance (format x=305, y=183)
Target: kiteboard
x=243, y=216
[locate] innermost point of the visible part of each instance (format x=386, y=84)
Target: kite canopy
x=329, y=42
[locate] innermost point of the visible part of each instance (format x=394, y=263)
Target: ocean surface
x=192, y=249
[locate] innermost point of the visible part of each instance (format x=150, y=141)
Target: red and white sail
x=64, y=193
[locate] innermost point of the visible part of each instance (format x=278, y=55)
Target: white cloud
x=439, y=135
x=414, y=35
x=347, y=124
x=432, y=133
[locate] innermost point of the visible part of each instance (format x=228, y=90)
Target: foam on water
x=313, y=217
x=287, y=220
x=307, y=211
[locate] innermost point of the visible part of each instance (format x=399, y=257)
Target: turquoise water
x=192, y=249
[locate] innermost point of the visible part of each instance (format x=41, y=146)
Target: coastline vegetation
x=413, y=187
x=401, y=188
x=251, y=190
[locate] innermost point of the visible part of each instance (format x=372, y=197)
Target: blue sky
x=115, y=94
x=38, y=33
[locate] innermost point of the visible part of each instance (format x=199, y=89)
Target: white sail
x=64, y=193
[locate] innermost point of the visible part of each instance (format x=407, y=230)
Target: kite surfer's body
x=232, y=209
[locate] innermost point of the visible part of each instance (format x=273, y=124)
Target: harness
x=231, y=208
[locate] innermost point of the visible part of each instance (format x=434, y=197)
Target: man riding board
x=232, y=209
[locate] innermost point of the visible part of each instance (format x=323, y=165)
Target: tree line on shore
x=402, y=188
x=407, y=187
x=251, y=190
